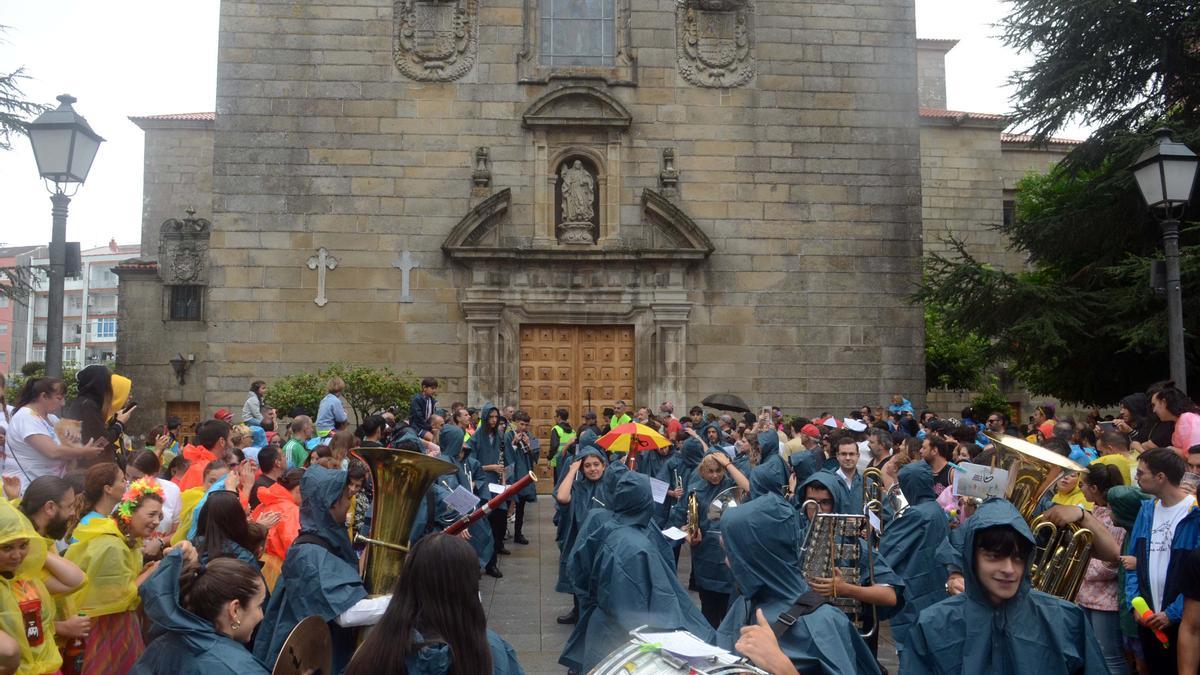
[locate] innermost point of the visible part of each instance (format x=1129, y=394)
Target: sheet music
x=659, y=489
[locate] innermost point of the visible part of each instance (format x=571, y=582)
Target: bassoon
x=465, y=522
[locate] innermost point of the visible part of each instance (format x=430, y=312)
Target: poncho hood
x=825, y=480
x=630, y=498
x=769, y=476
x=761, y=542
x=994, y=512
x=319, y=490
x=916, y=482
x=14, y=526
x=451, y=441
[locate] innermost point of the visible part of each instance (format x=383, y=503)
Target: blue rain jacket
x=1032, y=632
x=911, y=544
x=436, y=659
x=315, y=581
x=189, y=645
x=521, y=464
x=629, y=577
x=771, y=475
x=762, y=539
x=486, y=448
x=709, y=570
x=585, y=495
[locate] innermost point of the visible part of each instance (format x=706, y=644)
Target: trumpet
x=693, y=514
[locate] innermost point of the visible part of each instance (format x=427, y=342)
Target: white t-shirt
x=1162, y=533
x=20, y=458
x=3, y=418
x=172, y=505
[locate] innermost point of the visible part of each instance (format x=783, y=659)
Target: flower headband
x=135, y=494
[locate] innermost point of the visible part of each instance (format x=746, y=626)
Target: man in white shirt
x=1167, y=529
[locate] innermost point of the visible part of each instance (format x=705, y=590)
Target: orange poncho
x=277, y=499
x=199, y=456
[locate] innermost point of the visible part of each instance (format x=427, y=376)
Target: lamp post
x=64, y=146
x=1166, y=173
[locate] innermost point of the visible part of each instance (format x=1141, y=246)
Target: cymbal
x=308, y=647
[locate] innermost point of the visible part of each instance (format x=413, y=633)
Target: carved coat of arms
x=436, y=40
x=183, y=250
x=715, y=40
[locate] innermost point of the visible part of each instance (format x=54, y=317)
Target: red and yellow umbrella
x=632, y=438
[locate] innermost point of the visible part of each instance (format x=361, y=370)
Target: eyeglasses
x=993, y=419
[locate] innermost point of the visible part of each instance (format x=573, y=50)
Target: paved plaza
x=522, y=606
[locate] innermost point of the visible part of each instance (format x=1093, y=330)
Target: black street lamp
x=1166, y=173
x=64, y=146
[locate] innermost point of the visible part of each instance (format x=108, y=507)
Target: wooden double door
x=570, y=366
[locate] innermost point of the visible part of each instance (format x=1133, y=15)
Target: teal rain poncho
x=630, y=578
x=316, y=580
x=761, y=541
x=911, y=544
x=1032, y=632
x=451, y=443
x=709, y=570
x=521, y=464
x=486, y=448
x=436, y=659
x=873, y=568
x=585, y=495
x=188, y=644
x=771, y=475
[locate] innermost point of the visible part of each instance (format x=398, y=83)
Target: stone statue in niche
x=578, y=196
x=715, y=41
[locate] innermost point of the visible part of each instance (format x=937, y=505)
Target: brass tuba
x=1061, y=556
x=726, y=499
x=401, y=478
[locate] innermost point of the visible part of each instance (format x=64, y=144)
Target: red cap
x=224, y=415
x=811, y=431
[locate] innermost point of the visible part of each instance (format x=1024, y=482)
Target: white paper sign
x=684, y=644
x=495, y=489
x=980, y=481
x=674, y=533
x=874, y=520
x=461, y=500
x=659, y=489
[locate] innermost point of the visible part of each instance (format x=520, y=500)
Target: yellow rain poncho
x=111, y=565
x=26, y=607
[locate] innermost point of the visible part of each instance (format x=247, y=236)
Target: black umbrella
x=729, y=402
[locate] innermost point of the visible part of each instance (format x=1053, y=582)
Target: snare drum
x=632, y=658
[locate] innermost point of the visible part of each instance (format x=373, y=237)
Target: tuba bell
x=401, y=479
x=1061, y=557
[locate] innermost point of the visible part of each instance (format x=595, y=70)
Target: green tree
x=952, y=360
x=1080, y=321
x=301, y=392
x=368, y=390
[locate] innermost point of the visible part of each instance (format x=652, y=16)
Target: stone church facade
x=545, y=203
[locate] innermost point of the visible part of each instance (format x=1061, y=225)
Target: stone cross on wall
x=405, y=264
x=321, y=262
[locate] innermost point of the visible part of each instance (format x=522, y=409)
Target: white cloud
x=139, y=57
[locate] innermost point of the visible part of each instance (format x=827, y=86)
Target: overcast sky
x=141, y=57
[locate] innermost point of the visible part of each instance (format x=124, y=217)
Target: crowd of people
x=199, y=550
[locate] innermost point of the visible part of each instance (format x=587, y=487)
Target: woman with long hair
x=1170, y=404
x=222, y=529
x=491, y=446
x=109, y=551
x=103, y=408
x=32, y=442
x=435, y=624
x=581, y=490
x=208, y=613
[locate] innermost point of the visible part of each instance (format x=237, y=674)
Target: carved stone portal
x=436, y=40
x=183, y=250
x=715, y=41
